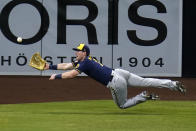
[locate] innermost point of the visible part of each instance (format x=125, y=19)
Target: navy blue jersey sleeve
x=74, y=63
x=81, y=67
x=94, y=69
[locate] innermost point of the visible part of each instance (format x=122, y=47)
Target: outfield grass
x=99, y=115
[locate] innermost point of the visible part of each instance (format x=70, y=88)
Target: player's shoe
x=180, y=87
x=151, y=96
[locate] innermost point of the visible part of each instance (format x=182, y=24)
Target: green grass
x=99, y=115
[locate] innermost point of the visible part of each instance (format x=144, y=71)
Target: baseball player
x=116, y=80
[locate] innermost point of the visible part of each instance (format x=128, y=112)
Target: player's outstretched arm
x=65, y=66
x=61, y=66
x=65, y=75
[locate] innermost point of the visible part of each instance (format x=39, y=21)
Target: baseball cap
x=83, y=47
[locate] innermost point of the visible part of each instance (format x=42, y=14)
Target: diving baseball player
x=116, y=80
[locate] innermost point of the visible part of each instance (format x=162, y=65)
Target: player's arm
x=65, y=66
x=61, y=66
x=65, y=75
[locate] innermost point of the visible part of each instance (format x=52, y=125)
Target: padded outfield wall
x=118, y=33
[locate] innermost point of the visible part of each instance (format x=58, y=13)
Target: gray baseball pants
x=123, y=79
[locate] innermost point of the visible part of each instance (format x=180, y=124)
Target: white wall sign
x=142, y=36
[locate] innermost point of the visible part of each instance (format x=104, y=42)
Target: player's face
x=80, y=55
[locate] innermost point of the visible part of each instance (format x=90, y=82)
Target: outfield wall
x=113, y=47
x=44, y=34
x=26, y=89
x=144, y=37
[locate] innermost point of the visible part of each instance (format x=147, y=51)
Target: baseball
x=19, y=39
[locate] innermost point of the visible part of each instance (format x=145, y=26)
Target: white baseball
x=19, y=39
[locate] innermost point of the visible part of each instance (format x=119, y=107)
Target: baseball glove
x=37, y=62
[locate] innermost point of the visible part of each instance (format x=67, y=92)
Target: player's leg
x=137, y=81
x=118, y=88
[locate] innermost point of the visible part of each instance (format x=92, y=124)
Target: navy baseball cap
x=83, y=47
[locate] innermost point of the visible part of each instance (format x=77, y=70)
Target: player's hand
x=46, y=66
x=52, y=77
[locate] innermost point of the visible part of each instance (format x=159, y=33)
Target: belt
x=111, y=77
